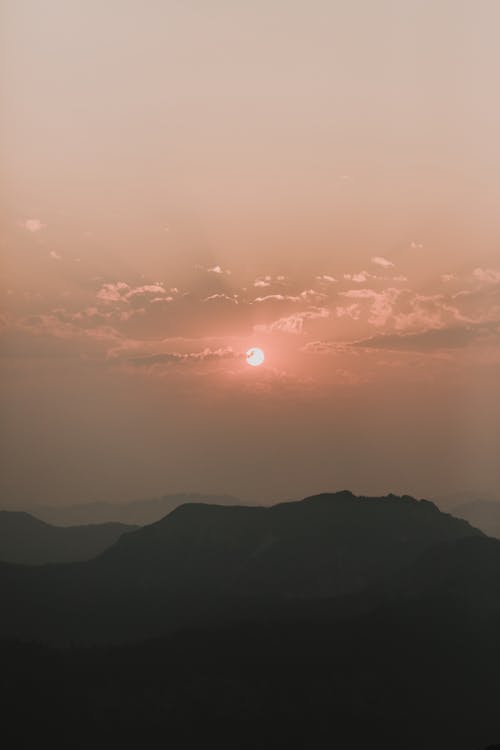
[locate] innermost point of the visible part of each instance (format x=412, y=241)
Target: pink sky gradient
x=321, y=180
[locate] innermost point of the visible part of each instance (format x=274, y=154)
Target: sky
x=182, y=181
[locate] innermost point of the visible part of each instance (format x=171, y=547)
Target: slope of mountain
x=484, y=514
x=322, y=546
x=137, y=512
x=418, y=670
x=209, y=563
x=448, y=502
x=27, y=540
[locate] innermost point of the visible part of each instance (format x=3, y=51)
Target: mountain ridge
x=484, y=514
x=27, y=540
x=135, y=512
x=205, y=561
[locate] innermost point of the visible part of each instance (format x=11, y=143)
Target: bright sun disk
x=255, y=356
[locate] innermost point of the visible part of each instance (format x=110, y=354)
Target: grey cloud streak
x=206, y=355
x=451, y=337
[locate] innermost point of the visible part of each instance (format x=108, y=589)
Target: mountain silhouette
x=355, y=621
x=136, y=512
x=27, y=540
x=418, y=669
x=325, y=545
x=210, y=563
x=484, y=514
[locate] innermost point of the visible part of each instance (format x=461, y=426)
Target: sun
x=255, y=356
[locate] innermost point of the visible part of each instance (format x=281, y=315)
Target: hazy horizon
x=183, y=182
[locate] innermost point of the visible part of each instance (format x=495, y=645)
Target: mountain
x=27, y=540
x=484, y=514
x=419, y=669
x=334, y=621
x=137, y=512
x=325, y=545
x=209, y=563
x=457, y=582
x=452, y=500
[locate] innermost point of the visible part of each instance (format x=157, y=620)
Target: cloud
x=222, y=298
x=381, y=303
x=275, y=298
x=308, y=295
x=113, y=292
x=58, y=335
x=403, y=309
x=156, y=288
x=430, y=340
x=265, y=281
x=379, y=260
x=326, y=277
x=120, y=291
x=33, y=225
x=205, y=355
x=359, y=278
x=487, y=275
x=293, y=323
x=348, y=311
x=312, y=295
x=54, y=255
x=450, y=337
x=327, y=347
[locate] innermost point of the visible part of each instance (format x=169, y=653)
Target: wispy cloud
x=205, y=355
x=430, y=340
x=113, y=292
x=359, y=278
x=33, y=225
x=146, y=289
x=220, y=297
x=326, y=277
x=379, y=260
x=451, y=337
x=487, y=275
x=293, y=323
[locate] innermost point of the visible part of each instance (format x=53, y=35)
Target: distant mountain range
x=137, y=512
x=210, y=562
x=484, y=514
x=27, y=540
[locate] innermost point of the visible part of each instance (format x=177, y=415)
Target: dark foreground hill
x=335, y=622
x=215, y=564
x=416, y=673
x=27, y=540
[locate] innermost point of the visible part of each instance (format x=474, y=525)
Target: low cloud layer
x=107, y=316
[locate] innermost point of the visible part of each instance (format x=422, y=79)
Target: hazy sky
x=184, y=180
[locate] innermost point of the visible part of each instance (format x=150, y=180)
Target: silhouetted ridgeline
x=136, y=512
x=485, y=514
x=209, y=563
x=372, y=622
x=29, y=541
